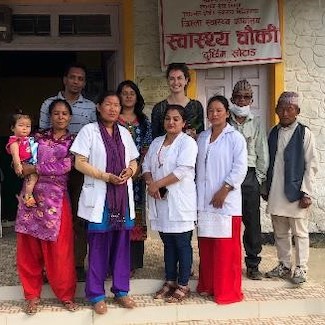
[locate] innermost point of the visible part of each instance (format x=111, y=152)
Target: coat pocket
x=88, y=195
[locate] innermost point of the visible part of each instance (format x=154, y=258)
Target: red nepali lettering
x=250, y=36
x=213, y=54
x=209, y=39
x=238, y=53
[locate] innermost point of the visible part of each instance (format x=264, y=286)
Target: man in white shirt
x=84, y=112
x=290, y=178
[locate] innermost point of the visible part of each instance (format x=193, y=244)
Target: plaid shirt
x=84, y=112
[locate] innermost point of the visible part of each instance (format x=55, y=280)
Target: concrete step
x=266, y=302
x=294, y=320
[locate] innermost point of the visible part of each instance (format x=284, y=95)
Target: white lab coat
x=222, y=161
x=181, y=196
x=89, y=144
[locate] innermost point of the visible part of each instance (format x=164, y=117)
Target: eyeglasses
x=239, y=97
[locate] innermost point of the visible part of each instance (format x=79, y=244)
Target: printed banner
x=212, y=33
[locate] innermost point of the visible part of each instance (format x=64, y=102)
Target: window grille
x=37, y=25
x=84, y=25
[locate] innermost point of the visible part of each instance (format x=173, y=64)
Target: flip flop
x=70, y=305
x=100, y=307
x=31, y=306
x=125, y=302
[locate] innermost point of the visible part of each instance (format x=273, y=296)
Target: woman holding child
x=44, y=232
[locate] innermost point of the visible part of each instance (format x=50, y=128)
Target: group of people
x=95, y=167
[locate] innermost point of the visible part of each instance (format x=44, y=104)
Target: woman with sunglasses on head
x=178, y=78
x=242, y=119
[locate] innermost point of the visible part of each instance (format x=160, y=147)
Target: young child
x=23, y=149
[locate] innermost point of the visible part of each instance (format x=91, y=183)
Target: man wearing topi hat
x=290, y=178
x=250, y=127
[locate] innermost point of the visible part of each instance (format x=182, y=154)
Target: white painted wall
x=304, y=58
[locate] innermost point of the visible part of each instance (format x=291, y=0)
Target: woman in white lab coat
x=106, y=155
x=169, y=171
x=221, y=168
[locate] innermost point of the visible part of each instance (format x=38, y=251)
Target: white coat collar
x=174, y=143
x=229, y=128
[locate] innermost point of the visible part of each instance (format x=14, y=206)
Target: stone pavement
x=153, y=264
x=267, y=302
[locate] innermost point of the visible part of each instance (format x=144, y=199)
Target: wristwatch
x=228, y=186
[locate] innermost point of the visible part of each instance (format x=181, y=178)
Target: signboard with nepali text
x=212, y=33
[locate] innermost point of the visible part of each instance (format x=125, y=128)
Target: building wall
x=148, y=74
x=304, y=56
x=304, y=51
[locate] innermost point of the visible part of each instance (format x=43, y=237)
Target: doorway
x=27, y=78
x=220, y=81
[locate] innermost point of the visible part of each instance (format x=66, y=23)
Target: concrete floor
x=266, y=302
x=153, y=261
x=316, y=263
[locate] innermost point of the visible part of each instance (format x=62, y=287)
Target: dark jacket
x=193, y=115
x=294, y=162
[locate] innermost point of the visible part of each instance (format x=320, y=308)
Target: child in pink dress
x=23, y=149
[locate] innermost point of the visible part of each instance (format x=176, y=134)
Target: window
x=37, y=25
x=84, y=25
x=80, y=26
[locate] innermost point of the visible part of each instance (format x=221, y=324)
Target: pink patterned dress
x=53, y=166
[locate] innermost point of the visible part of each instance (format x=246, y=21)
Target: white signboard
x=212, y=33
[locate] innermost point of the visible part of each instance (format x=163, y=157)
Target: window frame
x=75, y=42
